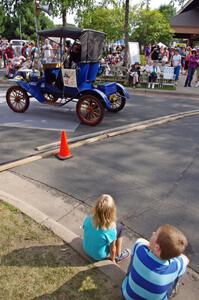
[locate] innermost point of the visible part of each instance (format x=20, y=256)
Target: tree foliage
x=21, y=13
x=168, y=11
x=62, y=7
x=151, y=26
x=110, y=21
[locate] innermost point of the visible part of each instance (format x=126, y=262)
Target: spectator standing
x=164, y=58
x=183, y=55
x=193, y=63
x=3, y=49
x=34, y=55
x=155, y=53
x=147, y=53
x=197, y=70
x=24, y=51
x=1, y=52
x=171, y=54
x=9, y=52
x=156, y=265
x=176, y=62
x=188, y=54
x=47, y=51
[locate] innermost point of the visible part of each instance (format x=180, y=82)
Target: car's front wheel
x=90, y=110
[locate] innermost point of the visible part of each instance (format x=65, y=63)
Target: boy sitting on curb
x=156, y=265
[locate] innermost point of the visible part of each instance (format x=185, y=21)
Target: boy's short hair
x=172, y=242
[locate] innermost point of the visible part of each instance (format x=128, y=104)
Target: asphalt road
x=153, y=174
x=41, y=124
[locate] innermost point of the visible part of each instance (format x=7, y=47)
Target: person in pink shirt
x=193, y=63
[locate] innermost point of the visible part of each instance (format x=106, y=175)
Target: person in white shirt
x=164, y=59
x=154, y=73
x=47, y=52
x=176, y=61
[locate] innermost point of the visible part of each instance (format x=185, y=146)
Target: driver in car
x=75, y=54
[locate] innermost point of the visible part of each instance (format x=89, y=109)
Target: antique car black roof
x=62, y=32
x=65, y=32
x=92, y=41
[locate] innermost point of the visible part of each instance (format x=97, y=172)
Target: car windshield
x=16, y=43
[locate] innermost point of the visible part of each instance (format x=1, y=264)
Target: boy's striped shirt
x=150, y=277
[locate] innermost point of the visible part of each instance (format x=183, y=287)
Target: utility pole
x=20, y=34
x=37, y=12
x=148, y=4
x=126, y=33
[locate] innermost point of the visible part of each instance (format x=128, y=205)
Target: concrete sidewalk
x=191, y=92
x=64, y=215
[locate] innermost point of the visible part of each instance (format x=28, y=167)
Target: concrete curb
x=6, y=82
x=111, y=270
x=147, y=92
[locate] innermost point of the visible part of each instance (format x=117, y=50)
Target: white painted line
x=21, y=125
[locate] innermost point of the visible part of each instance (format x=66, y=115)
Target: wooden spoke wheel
x=90, y=110
x=118, y=102
x=17, y=99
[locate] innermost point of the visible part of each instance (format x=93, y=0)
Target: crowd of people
x=30, y=56
x=184, y=60
x=27, y=55
x=155, y=267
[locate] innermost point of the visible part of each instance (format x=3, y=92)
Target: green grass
x=36, y=264
x=125, y=83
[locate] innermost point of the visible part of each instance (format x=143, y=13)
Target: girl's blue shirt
x=96, y=242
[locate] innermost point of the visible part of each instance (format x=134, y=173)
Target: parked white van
x=17, y=45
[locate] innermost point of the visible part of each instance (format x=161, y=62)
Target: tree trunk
x=126, y=32
x=64, y=16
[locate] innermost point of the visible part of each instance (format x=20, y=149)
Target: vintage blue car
x=74, y=80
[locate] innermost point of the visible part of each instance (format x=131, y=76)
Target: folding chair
x=168, y=76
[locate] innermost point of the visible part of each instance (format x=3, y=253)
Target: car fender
x=33, y=90
x=121, y=88
x=98, y=94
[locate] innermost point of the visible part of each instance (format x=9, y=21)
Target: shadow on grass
x=61, y=255
x=85, y=282
x=41, y=256
x=86, y=285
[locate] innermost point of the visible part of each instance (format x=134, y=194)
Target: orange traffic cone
x=64, y=152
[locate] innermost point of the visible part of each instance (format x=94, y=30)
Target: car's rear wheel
x=117, y=101
x=17, y=99
x=90, y=110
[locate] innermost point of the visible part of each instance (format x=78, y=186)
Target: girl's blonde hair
x=104, y=212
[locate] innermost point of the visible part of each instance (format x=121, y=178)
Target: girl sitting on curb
x=102, y=235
